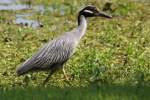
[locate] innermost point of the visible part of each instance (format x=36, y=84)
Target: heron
x=54, y=54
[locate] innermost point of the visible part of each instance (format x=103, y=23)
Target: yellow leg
x=66, y=78
x=64, y=72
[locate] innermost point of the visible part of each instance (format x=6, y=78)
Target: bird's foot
x=67, y=80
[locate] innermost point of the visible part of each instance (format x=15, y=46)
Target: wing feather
x=56, y=51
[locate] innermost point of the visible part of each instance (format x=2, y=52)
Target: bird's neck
x=82, y=25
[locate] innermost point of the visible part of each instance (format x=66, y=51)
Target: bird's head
x=92, y=11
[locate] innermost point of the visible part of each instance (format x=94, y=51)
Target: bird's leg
x=49, y=75
x=64, y=72
x=66, y=78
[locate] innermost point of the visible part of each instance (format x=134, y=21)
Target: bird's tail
x=20, y=70
x=23, y=69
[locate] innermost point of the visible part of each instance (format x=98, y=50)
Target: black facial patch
x=91, y=8
x=89, y=11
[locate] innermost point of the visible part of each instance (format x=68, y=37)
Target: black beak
x=102, y=14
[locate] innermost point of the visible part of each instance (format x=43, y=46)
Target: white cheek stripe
x=88, y=11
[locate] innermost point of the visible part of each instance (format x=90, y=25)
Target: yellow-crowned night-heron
x=55, y=53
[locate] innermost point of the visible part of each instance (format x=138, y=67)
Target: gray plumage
x=55, y=53
x=51, y=55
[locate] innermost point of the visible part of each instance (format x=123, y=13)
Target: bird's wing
x=56, y=51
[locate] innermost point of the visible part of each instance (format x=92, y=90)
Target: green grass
x=115, y=52
x=104, y=92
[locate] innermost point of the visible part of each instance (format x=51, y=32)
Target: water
x=23, y=15
x=7, y=1
x=21, y=19
x=13, y=7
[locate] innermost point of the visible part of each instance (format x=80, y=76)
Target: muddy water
x=13, y=7
x=7, y=1
x=21, y=19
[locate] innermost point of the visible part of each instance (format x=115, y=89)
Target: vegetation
x=105, y=92
x=113, y=55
